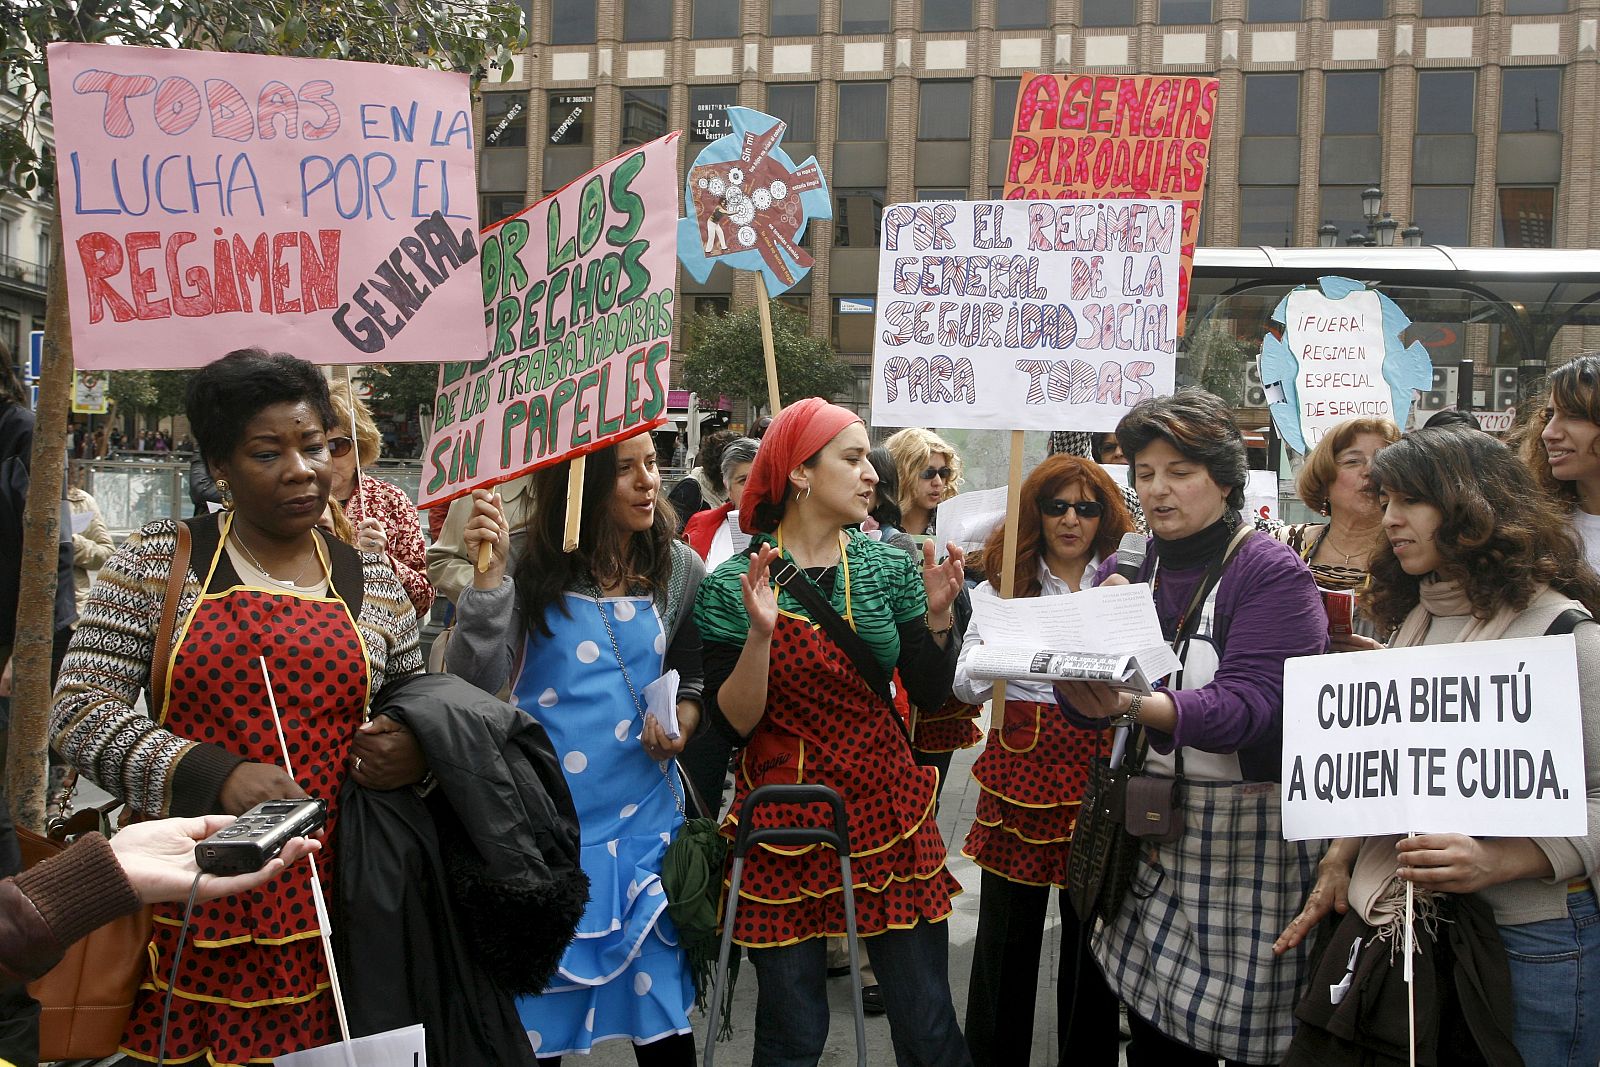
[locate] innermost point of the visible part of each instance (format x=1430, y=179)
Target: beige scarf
x=1376, y=892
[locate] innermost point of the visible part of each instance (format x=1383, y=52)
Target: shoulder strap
x=347, y=577
x=177, y=573
x=1567, y=622
x=797, y=584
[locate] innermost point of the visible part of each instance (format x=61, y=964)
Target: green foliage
x=401, y=388
x=154, y=394
x=1217, y=362
x=725, y=358
x=471, y=36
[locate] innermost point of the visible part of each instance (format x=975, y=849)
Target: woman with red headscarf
x=779, y=686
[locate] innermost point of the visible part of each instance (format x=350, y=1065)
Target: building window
x=796, y=105
x=1350, y=102
x=793, y=18
x=857, y=217
x=1448, y=9
x=1005, y=108
x=1271, y=105
x=1525, y=216
x=1442, y=212
x=644, y=115
x=708, y=111
x=572, y=21
x=1274, y=11
x=947, y=14
x=496, y=206
x=1445, y=101
x=864, y=16
x=852, y=324
x=1341, y=205
x=1266, y=215
x=863, y=109
x=712, y=19
x=1351, y=10
x=505, y=120
x=710, y=305
x=1021, y=14
x=944, y=111
x=1185, y=12
x=646, y=20
x=1536, y=7
x=798, y=302
x=1108, y=12
x=569, y=118
x=1530, y=99
x=924, y=195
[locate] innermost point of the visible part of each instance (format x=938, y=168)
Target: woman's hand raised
x=943, y=581
x=760, y=601
x=487, y=526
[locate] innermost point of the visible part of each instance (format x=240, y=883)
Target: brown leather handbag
x=85, y=1000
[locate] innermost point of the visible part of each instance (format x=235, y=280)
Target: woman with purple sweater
x=1190, y=951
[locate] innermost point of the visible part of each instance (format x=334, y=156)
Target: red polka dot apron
x=1031, y=774
x=823, y=725
x=253, y=981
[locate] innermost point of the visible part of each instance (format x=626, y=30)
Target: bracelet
x=428, y=784
x=927, y=620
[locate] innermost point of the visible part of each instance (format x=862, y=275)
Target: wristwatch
x=1131, y=716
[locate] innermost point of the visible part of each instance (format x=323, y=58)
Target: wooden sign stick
x=766, y=344
x=569, y=539
x=1008, y=572
x=485, y=549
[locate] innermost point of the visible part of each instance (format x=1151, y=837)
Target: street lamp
x=1371, y=203
x=1328, y=236
x=1385, y=229
x=1382, y=228
x=1411, y=236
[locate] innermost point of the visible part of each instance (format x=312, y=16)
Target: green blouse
x=884, y=587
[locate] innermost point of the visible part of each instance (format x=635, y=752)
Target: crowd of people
x=789, y=616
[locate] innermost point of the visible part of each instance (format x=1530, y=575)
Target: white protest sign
x=969, y=518
x=1482, y=738
x=1025, y=315
x=1261, y=495
x=393, y=1048
x=1339, y=344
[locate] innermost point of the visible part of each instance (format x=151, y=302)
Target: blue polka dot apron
x=624, y=975
x=253, y=982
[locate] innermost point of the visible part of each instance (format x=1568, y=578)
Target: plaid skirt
x=1191, y=949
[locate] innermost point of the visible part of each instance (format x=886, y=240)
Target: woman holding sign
x=585, y=639
x=1032, y=776
x=804, y=692
x=1189, y=951
x=1477, y=553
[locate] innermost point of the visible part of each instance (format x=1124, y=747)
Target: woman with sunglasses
x=382, y=517
x=930, y=473
x=1032, y=775
x=1561, y=446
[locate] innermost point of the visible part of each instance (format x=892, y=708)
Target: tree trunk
x=26, y=758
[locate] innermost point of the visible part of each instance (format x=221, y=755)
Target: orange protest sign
x=1114, y=136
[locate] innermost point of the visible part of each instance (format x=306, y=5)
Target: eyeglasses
x=338, y=446
x=1086, y=509
x=942, y=473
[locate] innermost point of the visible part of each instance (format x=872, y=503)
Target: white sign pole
x=1411, y=985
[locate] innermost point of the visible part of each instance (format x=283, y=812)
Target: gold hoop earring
x=225, y=491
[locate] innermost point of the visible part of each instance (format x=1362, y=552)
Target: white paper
x=395, y=1048
x=1425, y=739
x=969, y=518
x=737, y=537
x=661, y=703
x=1118, y=620
x=81, y=521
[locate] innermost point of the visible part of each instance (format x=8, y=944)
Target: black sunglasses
x=936, y=472
x=1086, y=509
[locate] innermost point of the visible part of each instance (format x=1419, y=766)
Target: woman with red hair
x=1032, y=774
x=804, y=710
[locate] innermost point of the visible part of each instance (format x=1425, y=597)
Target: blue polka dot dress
x=624, y=975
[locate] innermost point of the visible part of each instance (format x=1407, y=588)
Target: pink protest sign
x=579, y=300
x=212, y=200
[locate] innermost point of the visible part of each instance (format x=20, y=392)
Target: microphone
x=1130, y=556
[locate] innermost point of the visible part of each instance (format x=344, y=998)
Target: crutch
x=743, y=842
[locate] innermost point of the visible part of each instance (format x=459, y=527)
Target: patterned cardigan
x=96, y=723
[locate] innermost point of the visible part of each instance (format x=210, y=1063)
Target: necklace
x=268, y=574
x=1348, y=556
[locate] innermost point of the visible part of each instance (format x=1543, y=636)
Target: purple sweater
x=1268, y=610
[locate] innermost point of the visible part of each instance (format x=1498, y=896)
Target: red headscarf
x=796, y=435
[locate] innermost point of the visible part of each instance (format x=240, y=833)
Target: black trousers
x=1005, y=981
x=674, y=1051
x=1151, y=1048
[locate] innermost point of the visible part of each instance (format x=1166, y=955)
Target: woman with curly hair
x=1032, y=775
x=929, y=472
x=1561, y=446
x=1472, y=551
